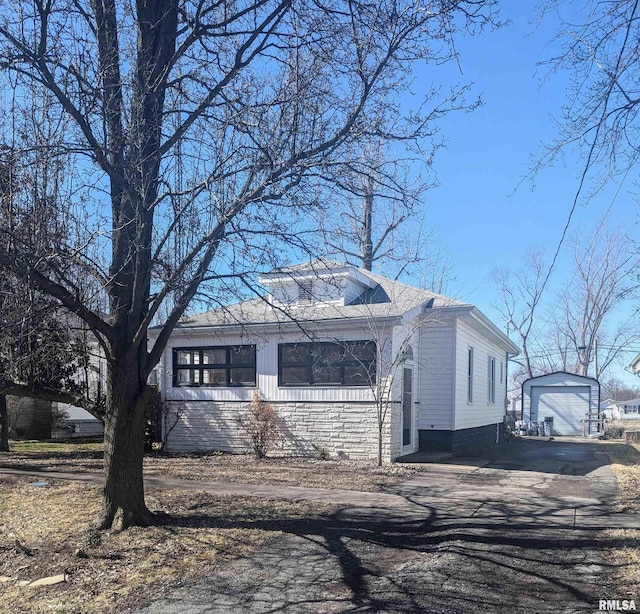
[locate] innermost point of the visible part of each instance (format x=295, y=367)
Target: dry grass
x=625, y=463
x=112, y=571
x=631, y=424
x=18, y=447
x=311, y=473
x=217, y=467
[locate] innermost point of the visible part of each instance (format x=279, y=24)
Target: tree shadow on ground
x=363, y=560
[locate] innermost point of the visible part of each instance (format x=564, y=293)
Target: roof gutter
x=473, y=312
x=293, y=323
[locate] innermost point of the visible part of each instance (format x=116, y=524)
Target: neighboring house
x=73, y=422
x=563, y=401
x=611, y=410
x=630, y=409
x=332, y=347
x=635, y=365
x=38, y=419
x=34, y=418
x=514, y=399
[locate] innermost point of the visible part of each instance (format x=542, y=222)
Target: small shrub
x=614, y=430
x=260, y=422
x=153, y=421
x=92, y=538
x=323, y=453
x=58, y=416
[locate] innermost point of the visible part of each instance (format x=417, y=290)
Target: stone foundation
x=345, y=430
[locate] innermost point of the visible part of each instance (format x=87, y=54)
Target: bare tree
x=599, y=47
x=614, y=388
x=217, y=124
x=603, y=282
x=521, y=293
x=39, y=352
x=587, y=315
x=436, y=271
x=379, y=221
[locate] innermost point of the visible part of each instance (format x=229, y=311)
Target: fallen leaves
x=74, y=570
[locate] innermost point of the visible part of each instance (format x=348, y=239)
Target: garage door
x=567, y=405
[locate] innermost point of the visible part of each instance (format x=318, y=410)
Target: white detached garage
x=566, y=399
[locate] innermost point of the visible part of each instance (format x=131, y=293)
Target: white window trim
x=470, y=375
x=491, y=380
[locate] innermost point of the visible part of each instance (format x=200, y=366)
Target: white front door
x=407, y=410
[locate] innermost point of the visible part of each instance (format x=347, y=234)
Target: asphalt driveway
x=519, y=532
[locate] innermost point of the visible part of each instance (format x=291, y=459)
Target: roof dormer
x=319, y=282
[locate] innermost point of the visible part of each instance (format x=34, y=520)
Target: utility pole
x=595, y=353
x=582, y=359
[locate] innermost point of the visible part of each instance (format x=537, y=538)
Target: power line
x=564, y=232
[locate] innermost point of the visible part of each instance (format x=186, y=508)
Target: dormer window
x=320, y=283
x=305, y=296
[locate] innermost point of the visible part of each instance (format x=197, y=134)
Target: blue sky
x=482, y=222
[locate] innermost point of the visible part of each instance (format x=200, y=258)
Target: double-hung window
x=233, y=365
x=351, y=363
x=470, y=376
x=491, y=380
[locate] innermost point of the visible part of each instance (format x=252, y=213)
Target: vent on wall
x=305, y=296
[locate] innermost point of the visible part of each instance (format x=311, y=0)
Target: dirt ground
x=45, y=525
x=218, y=467
x=45, y=531
x=468, y=538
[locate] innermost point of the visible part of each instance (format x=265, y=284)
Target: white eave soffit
x=343, y=272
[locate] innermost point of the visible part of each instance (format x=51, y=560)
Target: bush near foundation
x=261, y=423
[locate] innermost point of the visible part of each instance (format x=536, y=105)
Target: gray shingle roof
x=386, y=298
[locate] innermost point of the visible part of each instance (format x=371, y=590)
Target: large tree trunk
x=124, y=447
x=4, y=424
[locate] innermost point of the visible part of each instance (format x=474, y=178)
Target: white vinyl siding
x=480, y=412
x=435, y=363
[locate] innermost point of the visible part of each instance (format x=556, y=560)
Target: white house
x=611, y=409
x=630, y=409
x=75, y=422
x=564, y=401
x=334, y=347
